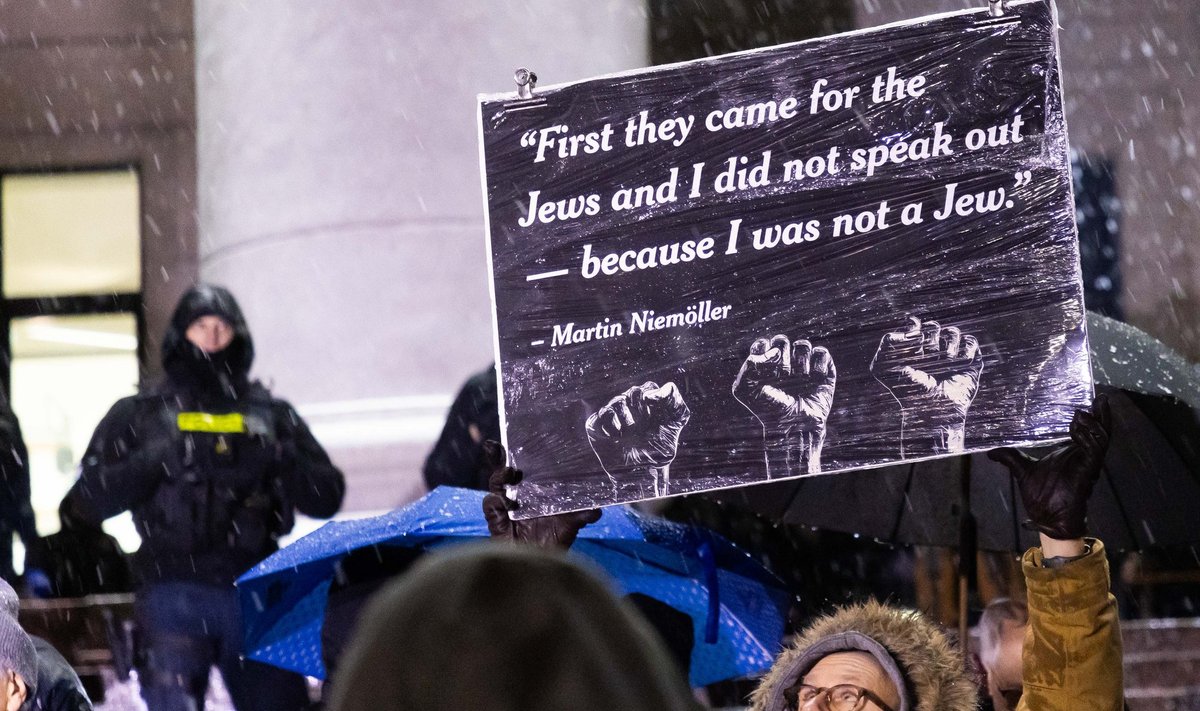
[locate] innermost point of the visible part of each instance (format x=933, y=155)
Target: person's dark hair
x=499, y=627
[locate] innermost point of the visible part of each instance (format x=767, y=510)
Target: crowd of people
x=519, y=627
x=214, y=468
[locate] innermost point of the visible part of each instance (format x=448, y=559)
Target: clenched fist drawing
x=933, y=372
x=789, y=388
x=638, y=431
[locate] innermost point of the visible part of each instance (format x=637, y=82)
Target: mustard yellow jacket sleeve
x=1072, y=656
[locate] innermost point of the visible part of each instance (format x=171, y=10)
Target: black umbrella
x=1133, y=360
x=1145, y=497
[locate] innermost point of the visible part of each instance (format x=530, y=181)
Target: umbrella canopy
x=1144, y=498
x=1133, y=360
x=735, y=604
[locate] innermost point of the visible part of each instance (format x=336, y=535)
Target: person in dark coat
x=457, y=459
x=213, y=468
x=58, y=686
x=55, y=685
x=81, y=559
x=16, y=512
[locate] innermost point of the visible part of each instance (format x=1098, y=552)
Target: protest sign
x=809, y=258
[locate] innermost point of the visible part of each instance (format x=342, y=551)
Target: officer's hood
x=187, y=364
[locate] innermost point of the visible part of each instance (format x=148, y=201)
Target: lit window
x=70, y=233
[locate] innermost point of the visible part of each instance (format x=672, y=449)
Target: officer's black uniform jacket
x=211, y=465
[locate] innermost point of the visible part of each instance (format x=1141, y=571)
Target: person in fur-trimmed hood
x=897, y=656
x=881, y=658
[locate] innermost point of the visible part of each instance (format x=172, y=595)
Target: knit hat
x=17, y=653
x=852, y=641
x=9, y=602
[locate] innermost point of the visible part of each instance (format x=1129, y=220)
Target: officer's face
x=210, y=333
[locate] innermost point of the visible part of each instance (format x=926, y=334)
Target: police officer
x=213, y=468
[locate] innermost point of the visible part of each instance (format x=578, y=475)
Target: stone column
x=339, y=197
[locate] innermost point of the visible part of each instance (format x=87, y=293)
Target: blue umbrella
x=735, y=604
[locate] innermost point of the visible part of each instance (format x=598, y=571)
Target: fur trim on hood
x=932, y=667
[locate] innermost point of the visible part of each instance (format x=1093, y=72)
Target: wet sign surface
x=822, y=256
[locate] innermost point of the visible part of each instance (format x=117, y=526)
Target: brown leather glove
x=1056, y=488
x=557, y=531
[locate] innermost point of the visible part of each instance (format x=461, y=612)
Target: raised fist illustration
x=933, y=372
x=789, y=387
x=637, y=432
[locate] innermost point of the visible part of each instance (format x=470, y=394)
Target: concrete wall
x=108, y=84
x=340, y=197
x=1131, y=80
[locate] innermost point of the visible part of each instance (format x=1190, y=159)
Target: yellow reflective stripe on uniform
x=230, y=423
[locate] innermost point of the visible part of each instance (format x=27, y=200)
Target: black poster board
x=822, y=256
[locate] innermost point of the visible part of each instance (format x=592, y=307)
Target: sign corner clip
x=526, y=82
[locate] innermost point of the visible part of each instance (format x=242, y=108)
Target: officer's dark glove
x=557, y=531
x=1055, y=488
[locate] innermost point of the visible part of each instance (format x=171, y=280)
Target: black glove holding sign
x=557, y=531
x=1055, y=489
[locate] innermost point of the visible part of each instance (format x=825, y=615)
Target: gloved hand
x=39, y=583
x=1056, y=488
x=557, y=531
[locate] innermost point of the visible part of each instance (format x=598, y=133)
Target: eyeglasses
x=843, y=697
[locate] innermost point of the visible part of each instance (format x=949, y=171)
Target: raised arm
x=1072, y=650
